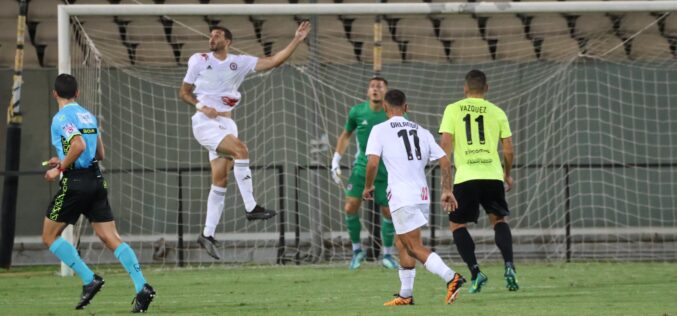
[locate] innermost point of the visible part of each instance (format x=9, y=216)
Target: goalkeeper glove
x=336, y=168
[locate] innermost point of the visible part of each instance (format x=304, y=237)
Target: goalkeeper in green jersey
x=361, y=119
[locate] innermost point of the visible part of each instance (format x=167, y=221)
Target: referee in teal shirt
x=83, y=190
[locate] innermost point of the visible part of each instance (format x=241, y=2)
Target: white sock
x=388, y=250
x=407, y=277
x=357, y=246
x=243, y=176
x=435, y=265
x=215, y=201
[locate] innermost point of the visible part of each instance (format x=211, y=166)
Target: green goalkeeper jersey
x=360, y=120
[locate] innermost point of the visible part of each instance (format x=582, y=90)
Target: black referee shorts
x=471, y=194
x=82, y=191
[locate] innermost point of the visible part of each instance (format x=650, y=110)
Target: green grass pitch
x=546, y=289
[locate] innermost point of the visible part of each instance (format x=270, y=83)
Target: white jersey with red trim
x=217, y=81
x=405, y=148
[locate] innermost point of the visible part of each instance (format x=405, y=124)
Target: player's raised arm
x=267, y=63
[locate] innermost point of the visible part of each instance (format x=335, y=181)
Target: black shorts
x=470, y=194
x=82, y=191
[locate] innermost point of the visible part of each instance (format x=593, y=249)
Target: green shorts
x=356, y=187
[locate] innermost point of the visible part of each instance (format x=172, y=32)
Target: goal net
x=589, y=95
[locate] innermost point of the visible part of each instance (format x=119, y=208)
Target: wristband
x=60, y=168
x=199, y=106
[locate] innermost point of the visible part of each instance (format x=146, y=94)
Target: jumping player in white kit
x=211, y=85
x=406, y=148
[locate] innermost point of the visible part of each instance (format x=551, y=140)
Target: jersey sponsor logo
x=209, y=67
x=69, y=128
x=424, y=194
x=85, y=118
x=88, y=131
x=233, y=66
x=229, y=101
x=364, y=122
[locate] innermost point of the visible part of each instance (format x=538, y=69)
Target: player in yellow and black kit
x=471, y=130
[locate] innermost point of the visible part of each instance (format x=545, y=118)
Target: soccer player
x=211, y=85
x=406, y=148
x=83, y=190
x=471, y=130
x=361, y=119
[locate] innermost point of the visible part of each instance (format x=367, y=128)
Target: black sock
x=466, y=248
x=503, y=239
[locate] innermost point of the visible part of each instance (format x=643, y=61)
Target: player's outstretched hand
x=449, y=201
x=302, y=31
x=508, y=183
x=368, y=193
x=209, y=111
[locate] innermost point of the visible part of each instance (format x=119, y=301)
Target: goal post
x=591, y=115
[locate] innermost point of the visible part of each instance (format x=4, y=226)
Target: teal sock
x=354, y=227
x=128, y=259
x=387, y=232
x=65, y=251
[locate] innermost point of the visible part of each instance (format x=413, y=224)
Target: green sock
x=387, y=232
x=354, y=227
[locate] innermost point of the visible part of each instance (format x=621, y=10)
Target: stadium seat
x=155, y=54
x=608, y=47
x=633, y=23
x=46, y=31
x=671, y=25
x=362, y=29
x=31, y=60
x=588, y=25
x=278, y=26
x=102, y=29
x=456, y=26
x=50, y=58
x=143, y=29
x=390, y=52
x=331, y=26
x=114, y=52
x=336, y=50
x=650, y=47
x=43, y=9
x=469, y=50
x=544, y=25
x=516, y=49
x=189, y=29
x=10, y=9
x=8, y=31
x=424, y=50
x=502, y=25
x=559, y=48
x=226, y=1
x=414, y=27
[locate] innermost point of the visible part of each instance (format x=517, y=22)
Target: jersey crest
x=233, y=66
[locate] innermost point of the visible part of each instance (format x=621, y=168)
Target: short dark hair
x=226, y=32
x=66, y=86
x=395, y=98
x=476, y=81
x=377, y=78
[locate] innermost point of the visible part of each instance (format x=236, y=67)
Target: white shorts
x=210, y=132
x=408, y=218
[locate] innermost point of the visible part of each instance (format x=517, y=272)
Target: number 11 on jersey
x=468, y=128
